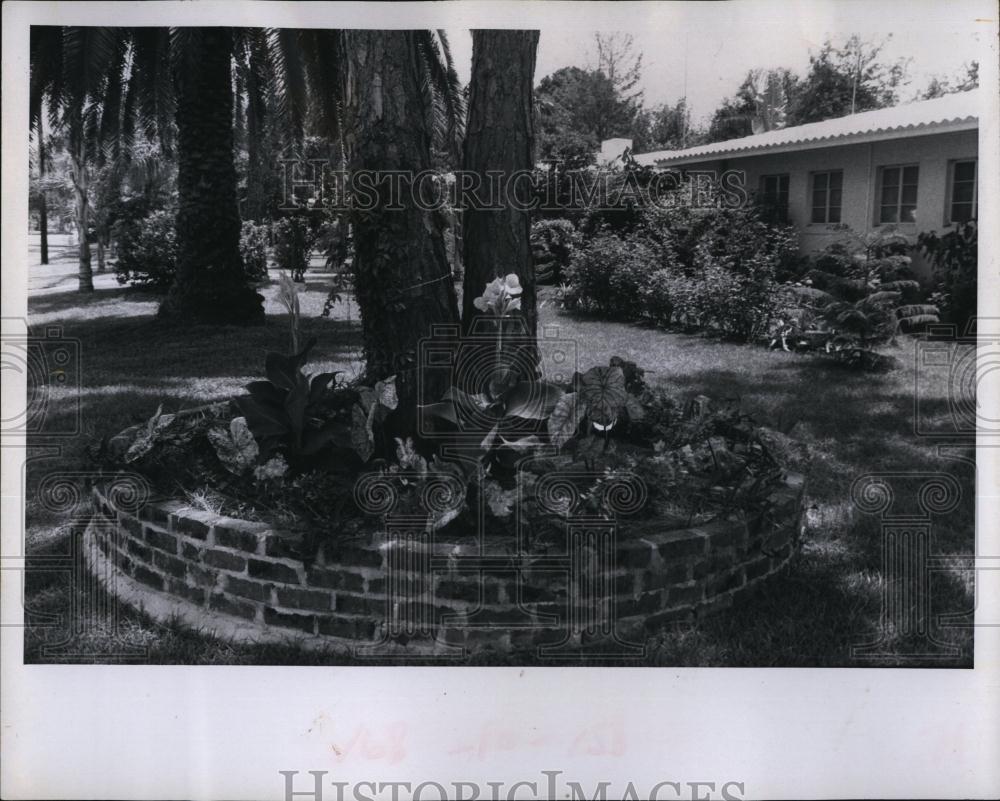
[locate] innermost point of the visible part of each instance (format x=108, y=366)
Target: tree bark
x=210, y=285
x=500, y=137
x=43, y=206
x=402, y=278
x=78, y=174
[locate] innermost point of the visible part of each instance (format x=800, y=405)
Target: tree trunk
x=499, y=137
x=403, y=283
x=78, y=174
x=100, y=252
x=43, y=206
x=210, y=284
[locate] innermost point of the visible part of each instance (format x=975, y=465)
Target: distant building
x=914, y=166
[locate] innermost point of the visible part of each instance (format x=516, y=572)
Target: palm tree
x=78, y=72
x=387, y=95
x=210, y=283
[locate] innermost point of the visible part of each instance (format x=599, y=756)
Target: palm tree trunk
x=210, y=285
x=500, y=136
x=78, y=174
x=402, y=279
x=43, y=206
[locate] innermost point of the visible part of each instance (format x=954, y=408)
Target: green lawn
x=829, y=600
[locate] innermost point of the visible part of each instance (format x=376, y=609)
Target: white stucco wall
x=860, y=164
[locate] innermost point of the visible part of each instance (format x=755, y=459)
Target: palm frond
x=442, y=88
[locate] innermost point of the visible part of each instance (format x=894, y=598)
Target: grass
x=828, y=601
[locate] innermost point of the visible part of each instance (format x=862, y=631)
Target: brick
x=189, y=526
x=717, y=604
x=201, y=577
x=534, y=593
x=468, y=590
x=130, y=524
x=224, y=560
x=625, y=583
x=635, y=556
x=645, y=603
x=148, y=577
x=679, y=615
x=360, y=557
x=285, y=545
x=689, y=546
x=348, y=628
x=161, y=539
x=231, y=606
x=352, y=604
x=190, y=552
x=314, y=600
x=725, y=582
x=154, y=514
x=253, y=590
x=233, y=536
x=340, y=580
x=757, y=568
x=273, y=617
x=193, y=594
x=735, y=535
x=713, y=564
x=685, y=595
x=665, y=577
x=170, y=564
x=273, y=571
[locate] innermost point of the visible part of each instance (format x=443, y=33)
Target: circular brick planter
x=405, y=593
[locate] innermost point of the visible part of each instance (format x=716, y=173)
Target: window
x=898, y=194
x=964, y=192
x=826, y=196
x=774, y=196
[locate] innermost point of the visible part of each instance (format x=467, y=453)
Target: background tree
x=210, y=283
x=966, y=80
x=847, y=79
x=762, y=103
x=499, y=136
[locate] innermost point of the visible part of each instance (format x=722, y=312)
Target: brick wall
x=402, y=592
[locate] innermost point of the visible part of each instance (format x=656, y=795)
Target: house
x=912, y=166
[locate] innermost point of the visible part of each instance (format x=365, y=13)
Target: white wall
x=860, y=164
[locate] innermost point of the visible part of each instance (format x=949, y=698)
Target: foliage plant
x=147, y=250
x=553, y=243
x=294, y=238
x=955, y=256
x=253, y=249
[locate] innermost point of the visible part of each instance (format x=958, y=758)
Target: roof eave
x=968, y=124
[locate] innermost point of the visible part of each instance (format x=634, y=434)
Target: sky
x=704, y=49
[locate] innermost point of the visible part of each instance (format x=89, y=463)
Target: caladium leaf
x=361, y=438
x=265, y=420
x=386, y=392
x=603, y=391
x=522, y=444
x=565, y=419
x=533, y=400
x=500, y=501
x=147, y=436
x=319, y=384
x=236, y=447
x=266, y=392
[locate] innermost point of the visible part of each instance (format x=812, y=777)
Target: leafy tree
x=577, y=110
x=966, y=80
x=847, y=79
x=761, y=104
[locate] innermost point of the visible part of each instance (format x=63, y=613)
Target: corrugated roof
x=955, y=111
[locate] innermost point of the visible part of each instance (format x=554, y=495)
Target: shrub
x=253, y=249
x=293, y=243
x=606, y=277
x=955, y=257
x=553, y=243
x=147, y=250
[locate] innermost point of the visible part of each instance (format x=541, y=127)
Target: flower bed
x=407, y=590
